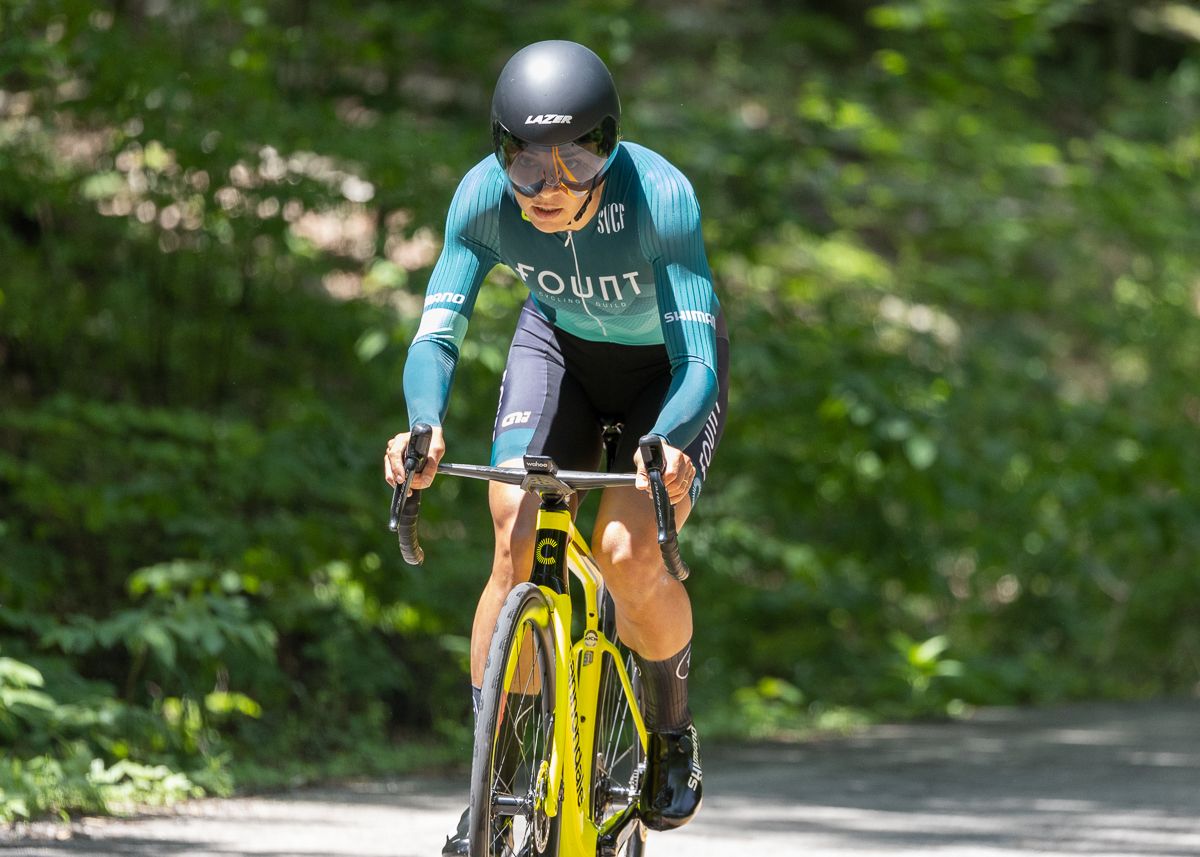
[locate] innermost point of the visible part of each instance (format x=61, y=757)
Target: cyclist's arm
x=687, y=304
x=468, y=254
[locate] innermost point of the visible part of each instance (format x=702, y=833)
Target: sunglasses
x=576, y=166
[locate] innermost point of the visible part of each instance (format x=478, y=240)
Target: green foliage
x=55, y=766
x=955, y=244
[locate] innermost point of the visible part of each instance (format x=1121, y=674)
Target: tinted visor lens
x=575, y=166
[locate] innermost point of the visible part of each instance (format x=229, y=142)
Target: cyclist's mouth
x=545, y=212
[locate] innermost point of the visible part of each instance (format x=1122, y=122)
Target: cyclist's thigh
x=626, y=528
x=543, y=410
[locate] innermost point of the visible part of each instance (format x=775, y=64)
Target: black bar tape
x=668, y=543
x=405, y=506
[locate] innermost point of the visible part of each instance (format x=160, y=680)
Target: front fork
x=571, y=762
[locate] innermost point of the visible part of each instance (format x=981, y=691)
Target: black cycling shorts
x=559, y=390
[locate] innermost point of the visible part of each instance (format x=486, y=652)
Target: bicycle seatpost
x=405, y=508
x=651, y=446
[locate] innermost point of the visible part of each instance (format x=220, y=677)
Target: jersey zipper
x=579, y=281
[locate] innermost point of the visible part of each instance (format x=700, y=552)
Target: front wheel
x=514, y=734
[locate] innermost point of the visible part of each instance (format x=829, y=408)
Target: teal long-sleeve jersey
x=636, y=274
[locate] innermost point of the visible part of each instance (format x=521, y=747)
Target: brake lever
x=405, y=508
x=651, y=446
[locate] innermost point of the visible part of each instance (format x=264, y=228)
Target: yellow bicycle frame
x=579, y=663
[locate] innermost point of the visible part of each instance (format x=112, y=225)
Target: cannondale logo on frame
x=545, y=552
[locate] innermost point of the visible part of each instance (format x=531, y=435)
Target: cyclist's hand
x=393, y=460
x=678, y=472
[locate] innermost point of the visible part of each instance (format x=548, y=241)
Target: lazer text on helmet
x=549, y=119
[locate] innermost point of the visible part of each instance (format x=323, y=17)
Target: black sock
x=665, y=688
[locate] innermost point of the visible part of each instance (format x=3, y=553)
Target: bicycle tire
x=514, y=734
x=618, y=758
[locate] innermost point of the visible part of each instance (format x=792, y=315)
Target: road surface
x=1105, y=779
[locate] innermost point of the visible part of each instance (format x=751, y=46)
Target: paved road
x=1095, y=779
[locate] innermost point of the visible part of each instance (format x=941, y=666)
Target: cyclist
x=621, y=324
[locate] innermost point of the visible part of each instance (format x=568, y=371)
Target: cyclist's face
x=554, y=208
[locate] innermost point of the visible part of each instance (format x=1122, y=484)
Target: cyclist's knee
x=628, y=557
x=620, y=548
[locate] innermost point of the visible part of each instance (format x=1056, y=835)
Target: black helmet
x=555, y=117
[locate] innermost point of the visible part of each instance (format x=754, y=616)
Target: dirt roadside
x=1107, y=779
